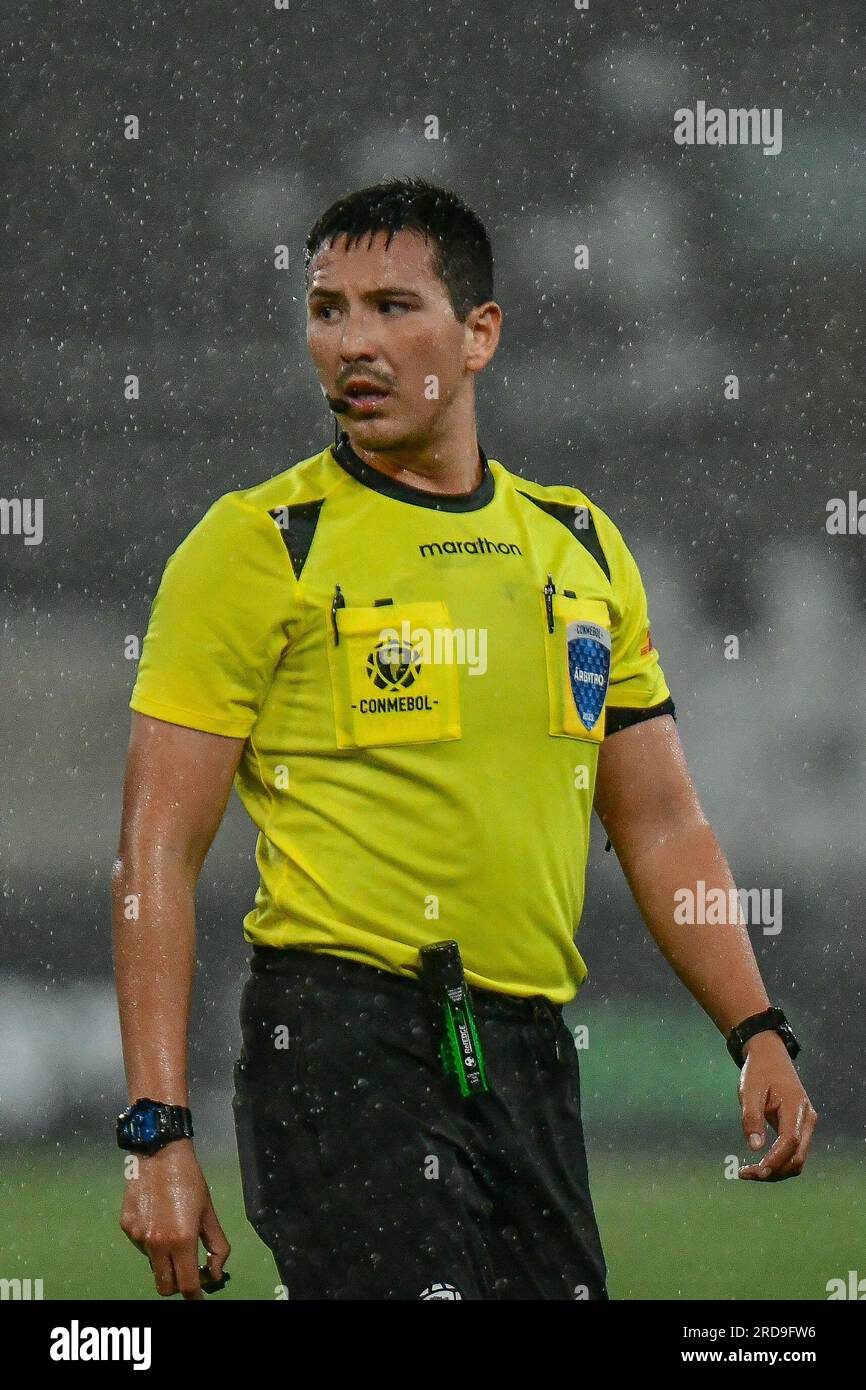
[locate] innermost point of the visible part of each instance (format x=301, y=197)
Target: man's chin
x=371, y=429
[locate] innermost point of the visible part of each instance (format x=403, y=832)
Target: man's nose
x=358, y=338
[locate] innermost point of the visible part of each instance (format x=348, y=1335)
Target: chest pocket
x=578, y=665
x=393, y=679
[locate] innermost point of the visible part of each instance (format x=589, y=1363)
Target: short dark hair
x=462, y=255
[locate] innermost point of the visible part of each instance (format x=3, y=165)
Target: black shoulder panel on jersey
x=587, y=535
x=622, y=718
x=298, y=527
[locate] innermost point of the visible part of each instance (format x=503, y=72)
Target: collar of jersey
x=403, y=492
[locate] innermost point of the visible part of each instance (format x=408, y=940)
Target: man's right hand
x=167, y=1209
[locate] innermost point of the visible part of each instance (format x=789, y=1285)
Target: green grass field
x=672, y=1228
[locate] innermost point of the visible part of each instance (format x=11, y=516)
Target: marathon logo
x=482, y=545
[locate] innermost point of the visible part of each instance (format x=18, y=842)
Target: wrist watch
x=772, y=1021
x=148, y=1125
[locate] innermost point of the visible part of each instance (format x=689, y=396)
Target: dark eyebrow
x=386, y=292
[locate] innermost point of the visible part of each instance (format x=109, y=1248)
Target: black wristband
x=771, y=1020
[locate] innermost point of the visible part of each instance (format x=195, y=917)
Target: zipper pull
x=549, y=591
x=339, y=602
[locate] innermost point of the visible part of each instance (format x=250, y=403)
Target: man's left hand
x=770, y=1089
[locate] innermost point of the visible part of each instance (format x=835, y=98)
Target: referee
x=420, y=671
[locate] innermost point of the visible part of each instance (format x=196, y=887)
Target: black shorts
x=367, y=1173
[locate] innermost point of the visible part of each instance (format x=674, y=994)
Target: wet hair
x=462, y=255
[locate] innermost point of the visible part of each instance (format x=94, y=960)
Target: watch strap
x=769, y=1020
x=178, y=1121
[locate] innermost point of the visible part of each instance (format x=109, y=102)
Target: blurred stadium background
x=156, y=257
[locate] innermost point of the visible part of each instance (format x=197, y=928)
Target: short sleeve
x=637, y=688
x=219, y=623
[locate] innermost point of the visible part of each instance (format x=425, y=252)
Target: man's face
x=384, y=315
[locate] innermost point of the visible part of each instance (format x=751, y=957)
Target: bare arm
x=648, y=805
x=178, y=781
x=177, y=785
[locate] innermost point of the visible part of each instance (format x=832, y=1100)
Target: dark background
x=156, y=256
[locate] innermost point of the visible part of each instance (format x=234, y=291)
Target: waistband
x=325, y=968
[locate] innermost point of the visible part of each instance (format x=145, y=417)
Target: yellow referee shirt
x=423, y=683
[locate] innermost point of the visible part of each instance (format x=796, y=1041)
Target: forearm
x=715, y=962
x=153, y=914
